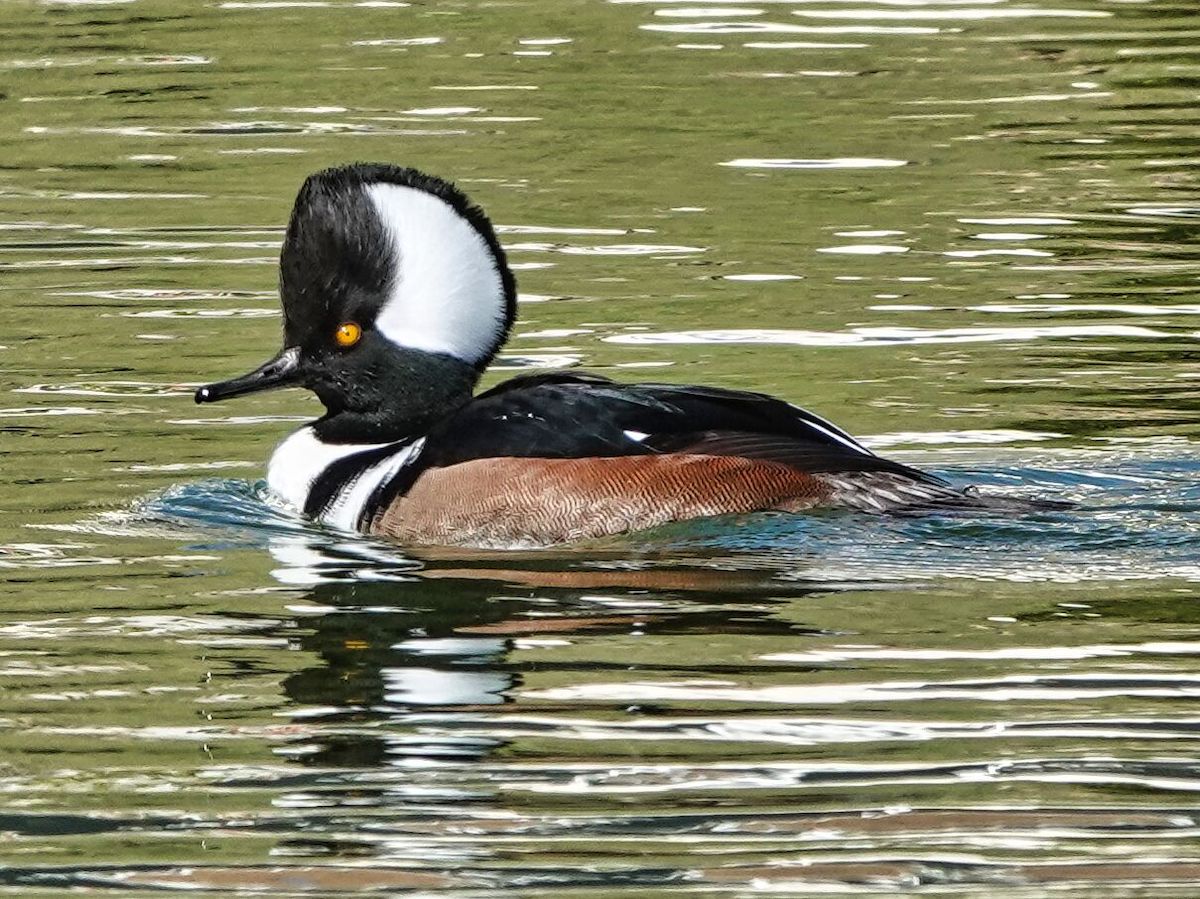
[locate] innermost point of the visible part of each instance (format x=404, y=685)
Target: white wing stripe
x=830, y=430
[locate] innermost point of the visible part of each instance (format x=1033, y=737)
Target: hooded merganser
x=396, y=295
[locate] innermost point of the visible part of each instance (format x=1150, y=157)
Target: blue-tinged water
x=1119, y=513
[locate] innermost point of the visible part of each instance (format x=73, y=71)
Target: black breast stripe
x=330, y=482
x=383, y=495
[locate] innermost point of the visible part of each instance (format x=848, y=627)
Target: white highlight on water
x=882, y=336
x=840, y=162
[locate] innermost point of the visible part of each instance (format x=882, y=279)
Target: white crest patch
x=447, y=295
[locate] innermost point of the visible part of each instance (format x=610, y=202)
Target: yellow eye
x=347, y=334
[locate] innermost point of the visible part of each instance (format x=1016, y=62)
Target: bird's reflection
x=400, y=639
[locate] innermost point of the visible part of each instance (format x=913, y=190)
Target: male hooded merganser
x=396, y=296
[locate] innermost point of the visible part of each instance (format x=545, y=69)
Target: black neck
x=398, y=400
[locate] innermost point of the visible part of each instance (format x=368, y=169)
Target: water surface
x=964, y=231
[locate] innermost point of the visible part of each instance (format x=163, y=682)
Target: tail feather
x=883, y=492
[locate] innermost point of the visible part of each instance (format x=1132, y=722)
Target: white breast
x=301, y=458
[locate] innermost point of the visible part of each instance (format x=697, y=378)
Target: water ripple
x=838, y=163
x=203, y=691
x=883, y=336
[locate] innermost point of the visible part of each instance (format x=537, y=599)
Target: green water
x=963, y=231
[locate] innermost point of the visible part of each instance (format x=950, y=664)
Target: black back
x=567, y=415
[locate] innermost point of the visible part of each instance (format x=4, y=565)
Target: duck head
x=396, y=295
